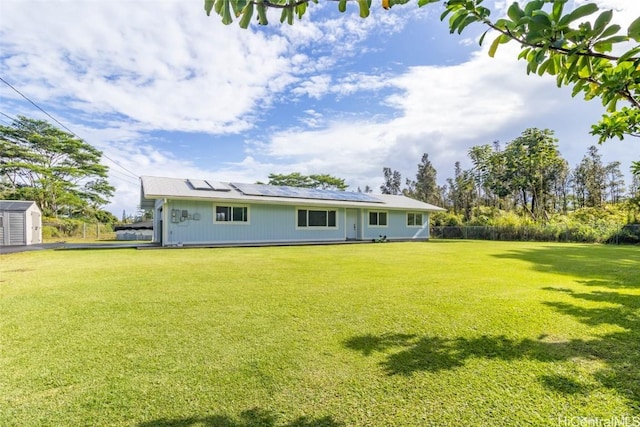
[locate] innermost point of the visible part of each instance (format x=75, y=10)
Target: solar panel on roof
x=304, y=193
x=199, y=184
x=202, y=185
x=218, y=186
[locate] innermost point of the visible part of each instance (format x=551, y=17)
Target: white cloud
x=132, y=67
x=172, y=69
x=314, y=87
x=444, y=111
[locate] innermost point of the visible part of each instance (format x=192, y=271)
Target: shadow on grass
x=255, y=417
x=606, y=267
x=619, y=351
x=612, y=267
x=433, y=354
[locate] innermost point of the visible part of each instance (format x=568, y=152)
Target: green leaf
x=468, y=20
x=524, y=53
x=540, y=56
x=208, y=6
x=585, y=69
x=541, y=19
x=533, y=6
x=614, y=40
x=290, y=15
x=364, y=8
x=602, y=47
x=301, y=9
x=557, y=10
x=629, y=54
x=482, y=37
x=543, y=67
x=218, y=6
x=551, y=67
x=226, y=13
x=580, y=12
x=611, y=30
x=634, y=30
x=494, y=46
x=247, y=14
x=456, y=19
x=531, y=67
x=502, y=24
x=237, y=6
x=578, y=87
x=262, y=12
x=603, y=20
x=514, y=12
x=483, y=12
x=425, y=2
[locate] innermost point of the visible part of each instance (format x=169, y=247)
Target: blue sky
x=164, y=90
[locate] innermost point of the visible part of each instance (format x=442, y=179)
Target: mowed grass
x=443, y=333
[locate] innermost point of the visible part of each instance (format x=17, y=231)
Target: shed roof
x=176, y=188
x=15, y=205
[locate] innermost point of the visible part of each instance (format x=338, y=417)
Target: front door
x=352, y=224
x=36, y=233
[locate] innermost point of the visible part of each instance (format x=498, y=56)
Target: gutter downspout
x=164, y=223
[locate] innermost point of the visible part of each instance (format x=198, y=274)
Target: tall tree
x=426, y=185
x=462, y=192
x=367, y=189
x=591, y=179
x=533, y=162
x=481, y=158
x=562, y=187
x=392, y=181
x=296, y=179
x=57, y=170
x=615, y=182
x=328, y=182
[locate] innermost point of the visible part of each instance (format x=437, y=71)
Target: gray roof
x=15, y=205
x=177, y=188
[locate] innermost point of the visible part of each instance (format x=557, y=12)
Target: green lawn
x=443, y=333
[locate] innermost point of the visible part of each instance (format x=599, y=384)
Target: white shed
x=20, y=223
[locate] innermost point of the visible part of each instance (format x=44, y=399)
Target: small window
x=377, y=219
x=414, y=219
x=302, y=218
x=232, y=214
x=316, y=218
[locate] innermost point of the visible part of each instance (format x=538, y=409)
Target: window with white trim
x=316, y=218
x=232, y=214
x=415, y=219
x=377, y=219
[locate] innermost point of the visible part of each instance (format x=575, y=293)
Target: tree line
x=528, y=176
x=59, y=171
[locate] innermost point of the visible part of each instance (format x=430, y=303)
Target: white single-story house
x=203, y=212
x=20, y=223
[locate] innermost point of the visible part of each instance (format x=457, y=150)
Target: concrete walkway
x=72, y=246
